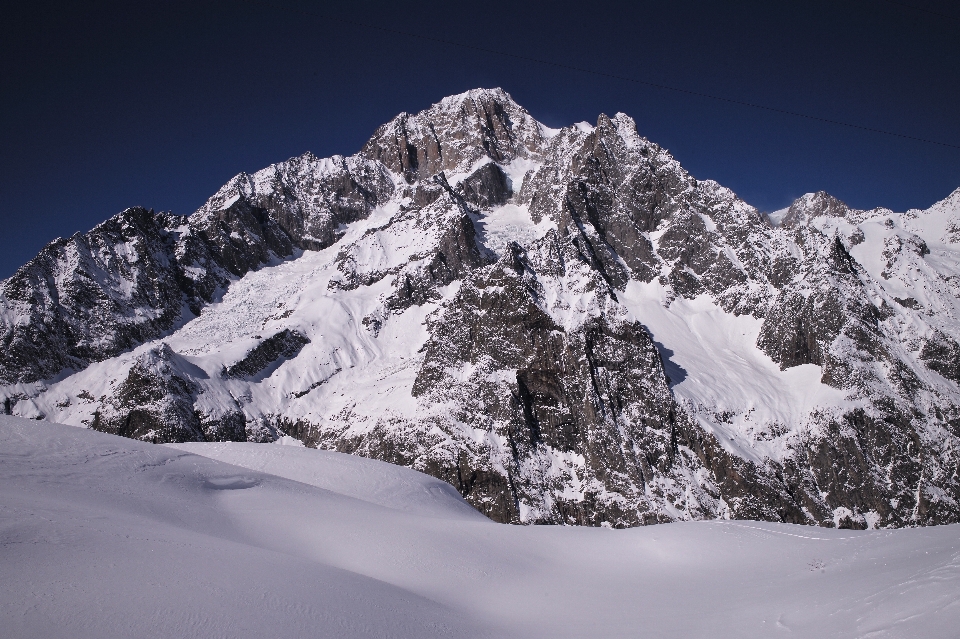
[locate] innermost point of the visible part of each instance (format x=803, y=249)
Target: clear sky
x=106, y=105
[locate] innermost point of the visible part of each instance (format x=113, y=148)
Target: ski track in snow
x=108, y=537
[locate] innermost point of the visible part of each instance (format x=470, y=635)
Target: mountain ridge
x=563, y=324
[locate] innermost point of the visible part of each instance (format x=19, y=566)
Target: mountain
x=563, y=324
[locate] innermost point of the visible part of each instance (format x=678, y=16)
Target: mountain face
x=563, y=324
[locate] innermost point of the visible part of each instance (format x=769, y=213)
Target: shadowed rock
x=285, y=344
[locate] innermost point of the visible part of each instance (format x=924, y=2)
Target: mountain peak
x=950, y=203
x=454, y=134
x=495, y=94
x=811, y=205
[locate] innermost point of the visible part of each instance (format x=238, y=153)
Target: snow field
x=716, y=368
x=109, y=537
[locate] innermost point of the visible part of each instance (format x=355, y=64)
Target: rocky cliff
x=563, y=324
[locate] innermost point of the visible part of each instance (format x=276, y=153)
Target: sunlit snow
x=714, y=365
x=109, y=537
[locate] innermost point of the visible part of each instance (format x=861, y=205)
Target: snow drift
x=104, y=536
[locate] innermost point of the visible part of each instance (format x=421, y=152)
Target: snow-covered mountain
x=561, y=323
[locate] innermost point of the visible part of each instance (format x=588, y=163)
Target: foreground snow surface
x=102, y=536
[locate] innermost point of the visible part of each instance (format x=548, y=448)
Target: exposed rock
x=941, y=353
x=309, y=199
x=593, y=393
x=486, y=187
x=90, y=297
x=154, y=402
x=454, y=134
x=813, y=205
x=285, y=344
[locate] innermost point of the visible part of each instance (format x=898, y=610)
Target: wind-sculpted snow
x=102, y=536
x=564, y=325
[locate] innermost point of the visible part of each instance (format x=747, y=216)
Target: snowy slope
x=109, y=537
x=716, y=368
x=369, y=480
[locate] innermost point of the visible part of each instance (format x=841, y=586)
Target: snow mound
x=369, y=480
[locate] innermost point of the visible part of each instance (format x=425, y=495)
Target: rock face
x=285, y=344
x=455, y=134
x=92, y=296
x=563, y=324
x=140, y=274
x=596, y=389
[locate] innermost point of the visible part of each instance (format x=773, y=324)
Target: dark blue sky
x=108, y=105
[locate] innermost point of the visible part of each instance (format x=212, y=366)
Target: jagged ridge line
x=612, y=75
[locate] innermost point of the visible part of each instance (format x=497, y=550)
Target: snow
x=229, y=202
x=109, y=537
x=345, y=370
x=934, y=224
x=939, y=227
x=455, y=178
x=869, y=254
x=714, y=365
x=547, y=132
x=368, y=480
x=890, y=253
x=517, y=170
x=510, y=223
x=776, y=217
